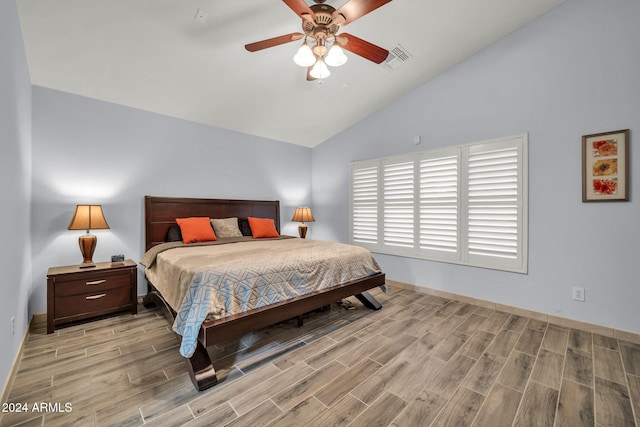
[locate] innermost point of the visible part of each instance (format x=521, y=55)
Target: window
x=465, y=204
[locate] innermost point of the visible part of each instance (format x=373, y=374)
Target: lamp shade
x=304, y=57
x=336, y=56
x=303, y=215
x=88, y=217
x=320, y=70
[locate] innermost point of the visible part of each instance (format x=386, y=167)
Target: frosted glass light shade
x=336, y=56
x=304, y=57
x=320, y=70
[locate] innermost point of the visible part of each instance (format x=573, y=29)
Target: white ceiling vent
x=397, y=56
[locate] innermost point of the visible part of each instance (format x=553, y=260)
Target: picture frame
x=605, y=166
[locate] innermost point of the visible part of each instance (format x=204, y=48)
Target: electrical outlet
x=578, y=293
x=13, y=326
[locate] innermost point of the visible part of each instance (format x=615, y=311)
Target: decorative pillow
x=196, y=229
x=174, y=235
x=226, y=227
x=262, y=227
x=243, y=224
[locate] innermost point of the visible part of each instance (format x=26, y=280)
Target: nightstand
x=75, y=293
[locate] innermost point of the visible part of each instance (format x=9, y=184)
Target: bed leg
x=201, y=369
x=148, y=301
x=368, y=301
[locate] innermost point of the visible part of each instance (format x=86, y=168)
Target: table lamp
x=302, y=215
x=88, y=217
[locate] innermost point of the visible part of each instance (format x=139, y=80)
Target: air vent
x=397, y=56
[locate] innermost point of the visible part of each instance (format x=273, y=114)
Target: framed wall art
x=605, y=166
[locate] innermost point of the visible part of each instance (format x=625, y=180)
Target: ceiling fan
x=322, y=45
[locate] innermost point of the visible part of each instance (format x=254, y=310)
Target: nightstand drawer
x=94, y=283
x=92, y=302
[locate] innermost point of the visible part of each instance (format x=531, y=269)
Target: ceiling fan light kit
x=321, y=23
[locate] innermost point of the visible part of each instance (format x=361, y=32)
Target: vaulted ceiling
x=186, y=58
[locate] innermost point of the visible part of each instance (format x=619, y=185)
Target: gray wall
x=88, y=151
x=572, y=72
x=15, y=191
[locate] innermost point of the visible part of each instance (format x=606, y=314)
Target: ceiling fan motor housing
x=322, y=26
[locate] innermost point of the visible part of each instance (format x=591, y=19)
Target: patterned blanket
x=214, y=281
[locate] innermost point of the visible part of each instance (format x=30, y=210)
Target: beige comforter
x=235, y=275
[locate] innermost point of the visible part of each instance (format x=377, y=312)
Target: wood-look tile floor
x=420, y=361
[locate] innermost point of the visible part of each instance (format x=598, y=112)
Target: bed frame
x=160, y=215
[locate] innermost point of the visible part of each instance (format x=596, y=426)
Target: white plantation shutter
x=398, y=202
x=438, y=219
x=364, y=204
x=466, y=204
x=494, y=204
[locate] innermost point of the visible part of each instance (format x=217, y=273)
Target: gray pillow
x=226, y=227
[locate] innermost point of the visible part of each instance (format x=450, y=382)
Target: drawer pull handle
x=96, y=296
x=96, y=282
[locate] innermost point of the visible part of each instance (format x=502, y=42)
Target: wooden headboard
x=160, y=213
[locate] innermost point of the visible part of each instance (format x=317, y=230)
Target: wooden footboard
x=199, y=364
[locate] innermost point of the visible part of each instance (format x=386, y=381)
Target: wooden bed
x=160, y=215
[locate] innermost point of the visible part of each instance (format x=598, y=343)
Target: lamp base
x=87, y=244
x=302, y=230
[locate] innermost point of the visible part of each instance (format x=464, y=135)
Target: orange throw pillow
x=262, y=228
x=196, y=229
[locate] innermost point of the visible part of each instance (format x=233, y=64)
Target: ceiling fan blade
x=301, y=9
x=275, y=41
x=362, y=48
x=354, y=9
